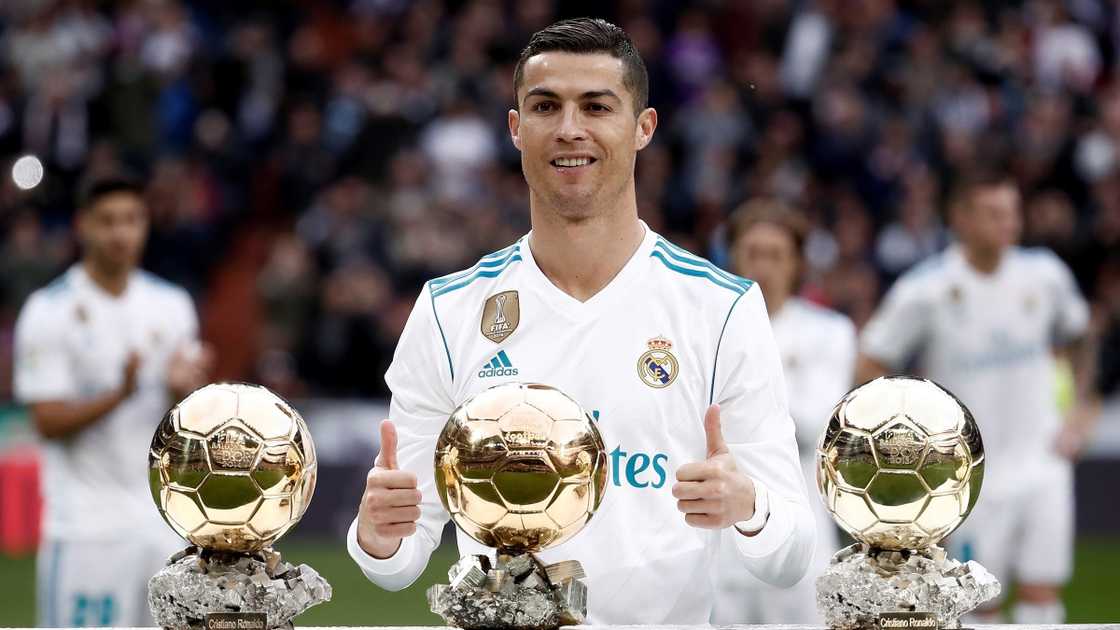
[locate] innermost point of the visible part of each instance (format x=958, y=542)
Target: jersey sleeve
x=43, y=370
x=750, y=389
x=899, y=326
x=419, y=378
x=827, y=378
x=189, y=318
x=1071, y=310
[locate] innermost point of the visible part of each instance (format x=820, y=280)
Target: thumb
x=713, y=432
x=387, y=457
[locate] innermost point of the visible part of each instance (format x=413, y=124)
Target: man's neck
x=112, y=283
x=774, y=303
x=983, y=261
x=581, y=258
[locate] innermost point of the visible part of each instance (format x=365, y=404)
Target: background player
x=595, y=291
x=101, y=354
x=983, y=318
x=818, y=350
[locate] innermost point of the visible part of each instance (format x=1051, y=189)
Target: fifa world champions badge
x=658, y=367
x=500, y=316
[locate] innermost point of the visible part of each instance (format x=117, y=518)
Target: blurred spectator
x=1066, y=54
x=322, y=160
x=916, y=232
x=28, y=260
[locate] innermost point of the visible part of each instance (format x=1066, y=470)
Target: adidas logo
x=500, y=365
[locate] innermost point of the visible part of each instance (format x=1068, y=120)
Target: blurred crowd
x=312, y=162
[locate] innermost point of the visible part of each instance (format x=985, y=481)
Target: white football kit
x=989, y=339
x=102, y=535
x=644, y=563
x=818, y=350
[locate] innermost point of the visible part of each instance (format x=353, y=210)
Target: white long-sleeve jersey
x=818, y=350
x=644, y=564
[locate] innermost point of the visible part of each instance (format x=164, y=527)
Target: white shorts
x=98, y=583
x=1025, y=533
x=742, y=598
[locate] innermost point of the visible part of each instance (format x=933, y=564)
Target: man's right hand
x=130, y=378
x=391, y=503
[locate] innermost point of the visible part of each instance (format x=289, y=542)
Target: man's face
x=767, y=254
x=577, y=132
x=113, y=231
x=993, y=220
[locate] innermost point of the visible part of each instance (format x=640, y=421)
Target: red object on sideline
x=20, y=502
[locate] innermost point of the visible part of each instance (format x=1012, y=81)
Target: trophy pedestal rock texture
x=518, y=592
x=232, y=468
x=520, y=467
x=900, y=467
x=861, y=583
x=196, y=583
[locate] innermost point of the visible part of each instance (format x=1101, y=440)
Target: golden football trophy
x=521, y=468
x=899, y=467
x=232, y=468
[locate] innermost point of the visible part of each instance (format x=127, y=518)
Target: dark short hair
x=968, y=184
x=588, y=36
x=94, y=189
x=772, y=211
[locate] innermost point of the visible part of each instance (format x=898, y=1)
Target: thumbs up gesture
x=391, y=503
x=714, y=494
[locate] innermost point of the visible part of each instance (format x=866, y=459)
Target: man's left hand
x=189, y=368
x=714, y=494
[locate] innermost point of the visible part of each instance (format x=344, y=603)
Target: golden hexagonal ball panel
x=232, y=467
x=900, y=464
x=521, y=467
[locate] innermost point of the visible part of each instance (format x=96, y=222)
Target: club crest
x=657, y=367
x=500, y=316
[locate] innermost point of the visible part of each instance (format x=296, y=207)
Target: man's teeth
x=583, y=161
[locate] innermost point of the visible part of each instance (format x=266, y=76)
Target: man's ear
x=515, y=128
x=647, y=124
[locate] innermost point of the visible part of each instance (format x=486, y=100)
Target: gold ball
x=900, y=464
x=520, y=467
x=232, y=467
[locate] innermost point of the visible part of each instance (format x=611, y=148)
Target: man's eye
x=544, y=106
x=598, y=107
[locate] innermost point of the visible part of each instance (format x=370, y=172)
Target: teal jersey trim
x=715, y=363
x=58, y=284
x=687, y=257
x=489, y=260
x=443, y=337
x=499, y=265
x=698, y=273
x=53, y=613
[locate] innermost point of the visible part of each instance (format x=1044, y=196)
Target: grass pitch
x=1090, y=598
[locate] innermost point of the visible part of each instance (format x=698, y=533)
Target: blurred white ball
x=27, y=172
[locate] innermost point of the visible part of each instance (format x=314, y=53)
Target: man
x=100, y=356
x=983, y=319
x=702, y=445
x=818, y=350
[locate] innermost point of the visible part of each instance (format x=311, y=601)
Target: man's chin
x=117, y=266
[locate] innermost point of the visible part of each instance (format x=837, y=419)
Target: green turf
x=1090, y=598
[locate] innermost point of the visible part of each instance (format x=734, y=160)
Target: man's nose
x=571, y=125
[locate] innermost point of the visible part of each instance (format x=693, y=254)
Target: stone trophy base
x=865, y=588
x=518, y=593
x=200, y=589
